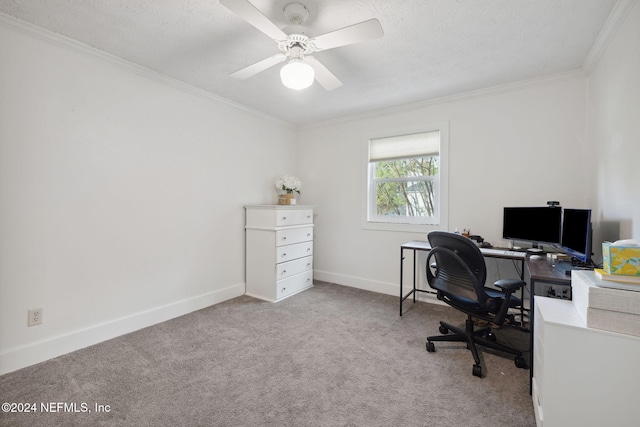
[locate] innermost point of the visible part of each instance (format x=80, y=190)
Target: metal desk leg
x=414, y=275
x=401, y=265
x=522, y=293
x=532, y=310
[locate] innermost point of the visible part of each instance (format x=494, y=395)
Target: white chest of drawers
x=582, y=376
x=279, y=250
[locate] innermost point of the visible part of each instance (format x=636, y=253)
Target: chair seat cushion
x=471, y=305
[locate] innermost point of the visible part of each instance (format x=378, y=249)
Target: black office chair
x=459, y=274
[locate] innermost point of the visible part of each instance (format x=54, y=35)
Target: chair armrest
x=510, y=285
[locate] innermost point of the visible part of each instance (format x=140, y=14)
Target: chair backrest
x=460, y=266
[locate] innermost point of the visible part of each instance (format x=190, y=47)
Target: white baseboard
x=357, y=282
x=372, y=285
x=31, y=354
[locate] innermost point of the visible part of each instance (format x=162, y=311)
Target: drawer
x=538, y=372
x=294, y=217
x=538, y=325
x=537, y=404
x=538, y=342
x=538, y=355
x=291, y=268
x=294, y=284
x=295, y=235
x=291, y=252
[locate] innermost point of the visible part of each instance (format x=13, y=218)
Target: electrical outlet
x=35, y=317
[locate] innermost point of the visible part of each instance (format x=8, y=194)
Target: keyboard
x=503, y=252
x=516, y=254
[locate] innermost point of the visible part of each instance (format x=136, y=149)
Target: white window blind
x=404, y=146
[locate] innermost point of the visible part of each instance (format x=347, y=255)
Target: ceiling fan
x=301, y=68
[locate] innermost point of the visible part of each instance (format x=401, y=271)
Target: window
x=405, y=178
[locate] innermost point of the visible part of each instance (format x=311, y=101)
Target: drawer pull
x=284, y=272
x=284, y=255
x=308, y=234
x=284, y=289
x=284, y=218
x=308, y=264
x=308, y=249
x=284, y=238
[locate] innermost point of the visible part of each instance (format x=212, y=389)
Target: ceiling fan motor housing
x=296, y=13
x=296, y=40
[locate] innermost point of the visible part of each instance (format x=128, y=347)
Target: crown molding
x=489, y=91
x=614, y=21
x=59, y=40
x=617, y=16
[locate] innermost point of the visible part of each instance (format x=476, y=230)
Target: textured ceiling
x=431, y=48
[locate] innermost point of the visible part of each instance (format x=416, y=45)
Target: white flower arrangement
x=288, y=184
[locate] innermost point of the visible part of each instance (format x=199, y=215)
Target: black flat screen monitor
x=576, y=234
x=533, y=224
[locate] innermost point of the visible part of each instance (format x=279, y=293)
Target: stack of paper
x=606, y=307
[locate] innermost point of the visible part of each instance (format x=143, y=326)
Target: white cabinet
x=582, y=376
x=279, y=250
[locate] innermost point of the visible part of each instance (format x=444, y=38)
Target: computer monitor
x=533, y=224
x=577, y=234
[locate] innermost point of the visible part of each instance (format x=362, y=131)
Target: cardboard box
x=617, y=259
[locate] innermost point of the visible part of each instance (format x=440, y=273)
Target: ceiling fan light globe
x=297, y=75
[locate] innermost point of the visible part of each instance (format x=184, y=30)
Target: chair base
x=484, y=337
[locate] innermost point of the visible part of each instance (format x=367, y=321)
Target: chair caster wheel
x=431, y=347
x=520, y=362
x=491, y=336
x=443, y=330
x=477, y=371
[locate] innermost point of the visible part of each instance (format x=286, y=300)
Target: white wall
x=513, y=146
x=121, y=195
x=614, y=128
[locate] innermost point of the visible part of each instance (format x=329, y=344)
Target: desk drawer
x=537, y=404
x=291, y=252
x=294, y=235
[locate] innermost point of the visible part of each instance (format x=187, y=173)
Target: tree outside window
x=406, y=187
x=404, y=178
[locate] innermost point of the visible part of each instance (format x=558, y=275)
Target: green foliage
x=406, y=187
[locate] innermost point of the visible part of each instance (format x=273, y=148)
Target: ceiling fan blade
x=367, y=30
x=251, y=14
x=325, y=77
x=254, y=69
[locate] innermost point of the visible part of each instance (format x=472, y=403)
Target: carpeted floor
x=329, y=356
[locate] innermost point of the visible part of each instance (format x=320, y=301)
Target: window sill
x=409, y=228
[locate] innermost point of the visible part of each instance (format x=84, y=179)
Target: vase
x=287, y=199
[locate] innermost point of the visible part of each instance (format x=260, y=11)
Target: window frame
x=371, y=220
